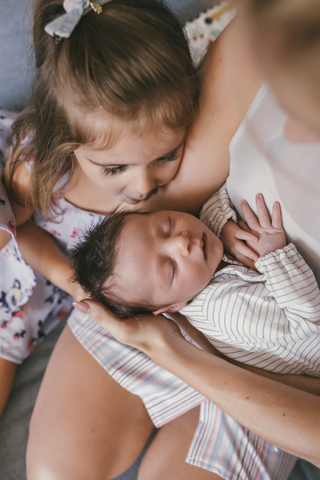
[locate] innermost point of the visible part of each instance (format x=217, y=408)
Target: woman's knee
x=84, y=425
x=165, y=456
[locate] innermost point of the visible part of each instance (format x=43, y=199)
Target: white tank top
x=264, y=161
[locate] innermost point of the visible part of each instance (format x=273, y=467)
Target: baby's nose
x=182, y=243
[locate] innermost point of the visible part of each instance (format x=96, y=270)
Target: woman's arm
x=229, y=83
x=285, y=416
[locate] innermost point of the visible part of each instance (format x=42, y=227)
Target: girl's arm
x=42, y=253
x=19, y=193
x=17, y=189
x=38, y=248
x=5, y=237
x=285, y=416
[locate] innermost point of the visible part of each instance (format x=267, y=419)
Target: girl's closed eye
x=113, y=170
x=171, y=157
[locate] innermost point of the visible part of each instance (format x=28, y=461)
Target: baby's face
x=164, y=258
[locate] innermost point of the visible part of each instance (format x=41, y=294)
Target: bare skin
x=164, y=459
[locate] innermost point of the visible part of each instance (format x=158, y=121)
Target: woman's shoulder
x=229, y=83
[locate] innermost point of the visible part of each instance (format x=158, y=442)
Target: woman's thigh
x=165, y=457
x=84, y=424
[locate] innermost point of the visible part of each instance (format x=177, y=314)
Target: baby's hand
x=236, y=241
x=270, y=232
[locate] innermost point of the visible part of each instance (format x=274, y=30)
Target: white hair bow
x=63, y=26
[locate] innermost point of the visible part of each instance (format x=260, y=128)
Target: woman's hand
x=145, y=332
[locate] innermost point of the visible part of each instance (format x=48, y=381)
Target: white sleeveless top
x=264, y=161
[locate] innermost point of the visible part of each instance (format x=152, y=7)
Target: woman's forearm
x=287, y=417
x=302, y=382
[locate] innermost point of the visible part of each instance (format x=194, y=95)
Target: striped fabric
x=224, y=447
x=219, y=445
x=270, y=318
x=217, y=210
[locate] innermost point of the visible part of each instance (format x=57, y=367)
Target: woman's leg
x=84, y=424
x=165, y=457
x=7, y=373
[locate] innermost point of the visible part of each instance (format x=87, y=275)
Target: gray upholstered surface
x=16, y=60
x=15, y=420
x=16, y=67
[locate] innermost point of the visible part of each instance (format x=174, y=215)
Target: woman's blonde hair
x=132, y=62
x=297, y=26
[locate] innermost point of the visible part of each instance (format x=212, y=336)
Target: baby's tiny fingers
x=246, y=251
x=244, y=233
x=277, y=216
x=262, y=212
x=248, y=215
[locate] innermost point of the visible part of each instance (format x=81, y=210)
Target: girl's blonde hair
x=132, y=62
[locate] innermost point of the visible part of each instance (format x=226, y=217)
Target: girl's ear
x=170, y=308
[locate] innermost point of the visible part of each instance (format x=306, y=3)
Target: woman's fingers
x=105, y=318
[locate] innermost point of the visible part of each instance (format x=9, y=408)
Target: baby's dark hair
x=94, y=261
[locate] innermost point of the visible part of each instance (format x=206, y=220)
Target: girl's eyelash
x=113, y=170
x=171, y=157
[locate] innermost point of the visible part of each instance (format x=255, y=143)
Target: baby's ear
x=170, y=309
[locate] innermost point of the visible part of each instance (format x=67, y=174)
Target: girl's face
x=136, y=165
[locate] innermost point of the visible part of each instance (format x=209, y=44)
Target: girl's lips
x=132, y=201
x=135, y=201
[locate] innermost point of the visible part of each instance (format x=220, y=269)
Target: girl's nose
x=142, y=185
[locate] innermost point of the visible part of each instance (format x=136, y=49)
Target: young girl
x=116, y=96
x=111, y=133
